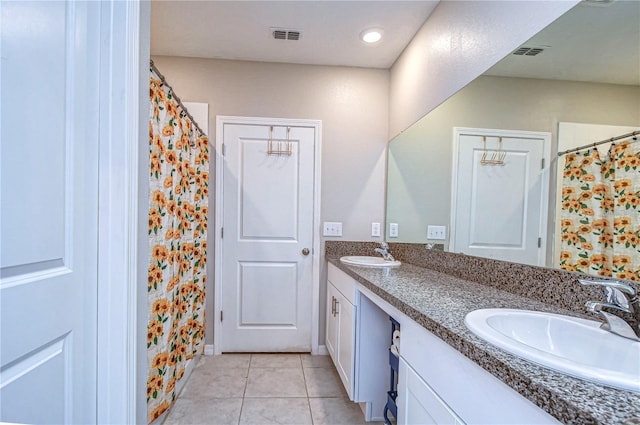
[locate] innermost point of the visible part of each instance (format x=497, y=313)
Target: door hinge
x=542, y=166
x=224, y=149
x=222, y=233
x=221, y=315
x=539, y=242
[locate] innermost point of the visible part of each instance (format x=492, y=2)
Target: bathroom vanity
x=447, y=374
x=429, y=391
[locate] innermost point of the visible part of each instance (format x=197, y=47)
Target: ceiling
x=330, y=30
x=588, y=43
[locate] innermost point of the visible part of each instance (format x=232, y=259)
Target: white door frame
x=123, y=253
x=315, y=252
x=544, y=205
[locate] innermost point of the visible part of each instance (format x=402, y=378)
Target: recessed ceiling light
x=371, y=35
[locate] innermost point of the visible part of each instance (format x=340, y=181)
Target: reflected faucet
x=619, y=296
x=384, y=251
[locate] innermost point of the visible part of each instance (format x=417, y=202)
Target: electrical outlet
x=330, y=228
x=393, y=230
x=437, y=232
x=375, y=229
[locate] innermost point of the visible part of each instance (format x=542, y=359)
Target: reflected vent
x=528, y=51
x=597, y=3
x=285, y=34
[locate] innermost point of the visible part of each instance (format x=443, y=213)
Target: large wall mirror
x=576, y=82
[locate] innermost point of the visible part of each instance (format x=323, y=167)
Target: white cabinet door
x=418, y=404
x=344, y=359
x=332, y=322
x=340, y=339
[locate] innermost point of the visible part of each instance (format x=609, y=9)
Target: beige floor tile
x=263, y=411
x=335, y=411
x=275, y=382
x=213, y=369
x=216, y=383
x=323, y=382
x=227, y=361
x=309, y=360
x=275, y=360
x=286, y=394
x=212, y=412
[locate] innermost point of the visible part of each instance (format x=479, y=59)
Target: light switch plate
x=437, y=232
x=375, y=229
x=331, y=228
x=393, y=230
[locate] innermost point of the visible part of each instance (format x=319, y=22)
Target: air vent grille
x=597, y=3
x=528, y=51
x=285, y=34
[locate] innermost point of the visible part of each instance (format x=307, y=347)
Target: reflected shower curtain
x=177, y=243
x=600, y=228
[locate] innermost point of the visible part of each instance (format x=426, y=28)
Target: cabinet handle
x=337, y=307
x=333, y=306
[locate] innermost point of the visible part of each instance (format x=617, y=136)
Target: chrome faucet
x=384, y=251
x=619, y=296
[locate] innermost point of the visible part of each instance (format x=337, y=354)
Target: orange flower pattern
x=600, y=213
x=178, y=197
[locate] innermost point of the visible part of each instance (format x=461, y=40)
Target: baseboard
x=210, y=351
x=363, y=407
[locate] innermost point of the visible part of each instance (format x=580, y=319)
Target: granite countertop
x=439, y=302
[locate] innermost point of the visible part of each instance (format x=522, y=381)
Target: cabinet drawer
x=343, y=282
x=420, y=404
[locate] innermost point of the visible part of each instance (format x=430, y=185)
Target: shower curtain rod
x=591, y=145
x=175, y=96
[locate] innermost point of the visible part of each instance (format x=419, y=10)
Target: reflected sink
x=571, y=345
x=365, y=261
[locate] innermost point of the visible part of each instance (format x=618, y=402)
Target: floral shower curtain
x=179, y=161
x=600, y=212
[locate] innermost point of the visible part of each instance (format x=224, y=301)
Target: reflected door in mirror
x=500, y=194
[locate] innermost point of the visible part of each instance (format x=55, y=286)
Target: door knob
x=305, y=251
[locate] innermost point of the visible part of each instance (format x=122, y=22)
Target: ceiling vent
x=597, y=3
x=285, y=34
x=528, y=51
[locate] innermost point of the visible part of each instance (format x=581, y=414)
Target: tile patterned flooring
x=261, y=389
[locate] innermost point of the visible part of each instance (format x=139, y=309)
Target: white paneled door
x=267, y=238
x=49, y=211
x=500, y=210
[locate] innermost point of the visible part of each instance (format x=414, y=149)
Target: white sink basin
x=365, y=261
x=571, y=345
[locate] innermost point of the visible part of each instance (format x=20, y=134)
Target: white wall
x=459, y=41
x=351, y=102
